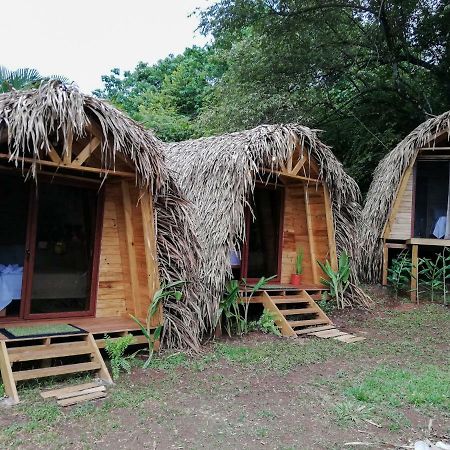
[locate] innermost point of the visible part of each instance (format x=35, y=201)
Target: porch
x=43, y=356
x=97, y=326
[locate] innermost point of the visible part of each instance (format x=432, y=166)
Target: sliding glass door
x=61, y=249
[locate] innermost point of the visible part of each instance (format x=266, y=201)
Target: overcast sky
x=84, y=39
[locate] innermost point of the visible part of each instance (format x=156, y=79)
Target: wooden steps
x=32, y=358
x=307, y=322
x=56, y=370
x=297, y=314
x=293, y=310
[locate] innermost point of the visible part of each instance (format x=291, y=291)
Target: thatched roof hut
x=57, y=129
x=388, y=213
x=218, y=174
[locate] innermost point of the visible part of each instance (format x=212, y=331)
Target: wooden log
x=68, y=389
x=81, y=392
x=81, y=398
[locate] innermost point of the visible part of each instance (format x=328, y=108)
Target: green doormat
x=41, y=330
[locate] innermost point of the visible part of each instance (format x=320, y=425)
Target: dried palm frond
x=218, y=174
x=383, y=191
x=30, y=122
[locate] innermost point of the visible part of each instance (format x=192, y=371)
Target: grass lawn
x=266, y=392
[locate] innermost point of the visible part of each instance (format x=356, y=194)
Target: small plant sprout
x=299, y=262
x=266, y=323
x=399, y=274
x=116, y=348
x=234, y=308
x=339, y=280
x=169, y=290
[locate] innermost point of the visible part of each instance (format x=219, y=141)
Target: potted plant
x=296, y=278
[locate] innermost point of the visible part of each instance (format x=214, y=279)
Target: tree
x=24, y=78
x=168, y=95
x=366, y=71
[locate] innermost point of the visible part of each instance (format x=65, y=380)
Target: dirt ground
x=262, y=391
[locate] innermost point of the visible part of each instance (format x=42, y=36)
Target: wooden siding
x=114, y=297
x=401, y=225
x=296, y=235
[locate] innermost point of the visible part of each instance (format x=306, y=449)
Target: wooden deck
x=98, y=327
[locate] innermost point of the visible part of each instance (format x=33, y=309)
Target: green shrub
x=116, y=348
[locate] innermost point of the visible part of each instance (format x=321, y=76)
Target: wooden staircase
x=295, y=311
x=32, y=358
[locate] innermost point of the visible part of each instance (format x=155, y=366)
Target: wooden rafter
x=42, y=162
x=291, y=176
x=53, y=155
x=87, y=151
x=301, y=162
x=67, y=158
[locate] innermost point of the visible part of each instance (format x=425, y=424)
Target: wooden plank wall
x=296, y=231
x=114, y=297
x=401, y=227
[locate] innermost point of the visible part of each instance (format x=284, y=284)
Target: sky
x=84, y=39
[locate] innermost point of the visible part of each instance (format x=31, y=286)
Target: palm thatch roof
x=383, y=192
x=31, y=121
x=218, y=174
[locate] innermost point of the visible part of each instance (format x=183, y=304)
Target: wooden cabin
x=81, y=184
x=262, y=196
x=408, y=204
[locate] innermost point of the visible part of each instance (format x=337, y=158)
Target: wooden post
x=7, y=375
x=67, y=158
x=134, y=281
x=330, y=228
x=151, y=259
x=385, y=263
x=414, y=273
x=312, y=246
x=97, y=357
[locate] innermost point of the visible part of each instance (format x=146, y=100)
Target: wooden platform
x=45, y=356
x=98, y=327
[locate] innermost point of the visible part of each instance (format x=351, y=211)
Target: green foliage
x=24, y=78
x=116, y=348
x=299, y=262
x=326, y=306
x=266, y=323
x=365, y=71
x=339, y=280
x=434, y=274
x=399, y=274
x=167, y=96
x=169, y=290
x=234, y=309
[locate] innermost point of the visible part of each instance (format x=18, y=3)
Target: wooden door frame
x=245, y=247
x=25, y=307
